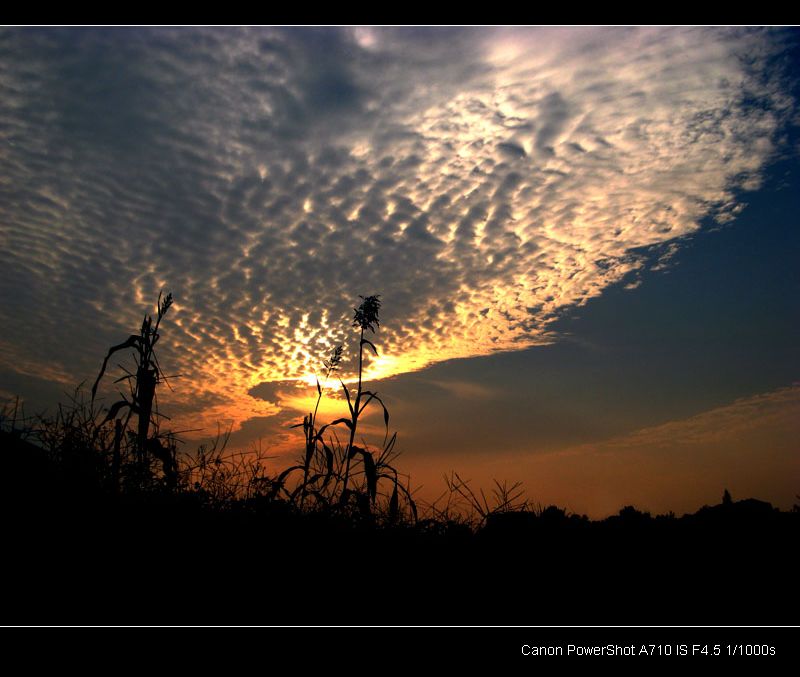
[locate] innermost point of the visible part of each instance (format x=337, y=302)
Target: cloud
x=481, y=180
x=749, y=446
x=774, y=410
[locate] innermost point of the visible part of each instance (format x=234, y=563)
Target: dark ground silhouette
x=77, y=553
x=111, y=525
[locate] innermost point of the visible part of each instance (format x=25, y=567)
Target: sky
x=585, y=241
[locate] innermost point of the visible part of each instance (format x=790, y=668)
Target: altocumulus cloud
x=481, y=180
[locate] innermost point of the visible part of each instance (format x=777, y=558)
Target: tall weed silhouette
x=349, y=477
x=142, y=400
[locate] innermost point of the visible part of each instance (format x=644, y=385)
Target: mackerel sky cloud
x=483, y=181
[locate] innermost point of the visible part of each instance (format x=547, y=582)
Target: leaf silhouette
x=114, y=409
x=370, y=470
x=132, y=341
x=394, y=504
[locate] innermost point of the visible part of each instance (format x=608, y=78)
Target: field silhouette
x=107, y=523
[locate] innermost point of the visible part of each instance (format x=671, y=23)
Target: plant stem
x=354, y=415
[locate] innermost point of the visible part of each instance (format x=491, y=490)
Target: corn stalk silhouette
x=312, y=439
x=328, y=465
x=142, y=385
x=366, y=317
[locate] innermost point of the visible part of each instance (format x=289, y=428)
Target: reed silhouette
x=106, y=526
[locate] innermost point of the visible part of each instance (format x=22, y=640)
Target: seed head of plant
x=366, y=315
x=332, y=364
x=164, y=304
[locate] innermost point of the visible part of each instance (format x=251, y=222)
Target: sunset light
x=382, y=330
x=601, y=215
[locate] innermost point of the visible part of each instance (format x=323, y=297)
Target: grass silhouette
x=112, y=523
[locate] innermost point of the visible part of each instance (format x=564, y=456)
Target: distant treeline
x=106, y=521
x=78, y=552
